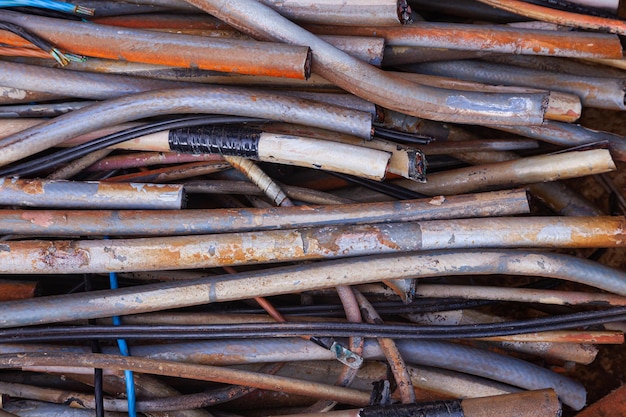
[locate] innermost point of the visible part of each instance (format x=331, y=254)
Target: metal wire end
x=59, y=57
x=84, y=10
x=75, y=57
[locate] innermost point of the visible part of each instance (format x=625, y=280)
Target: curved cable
x=49, y=161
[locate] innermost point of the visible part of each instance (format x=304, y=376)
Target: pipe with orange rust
x=199, y=221
x=89, y=194
x=381, y=88
x=497, y=39
x=208, y=251
x=187, y=51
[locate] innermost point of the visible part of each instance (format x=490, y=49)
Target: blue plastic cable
x=50, y=5
x=121, y=343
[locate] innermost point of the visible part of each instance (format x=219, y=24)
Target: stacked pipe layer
x=310, y=207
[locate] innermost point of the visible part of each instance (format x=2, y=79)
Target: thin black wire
x=29, y=36
x=67, y=155
x=391, y=190
x=98, y=374
x=395, y=136
x=292, y=329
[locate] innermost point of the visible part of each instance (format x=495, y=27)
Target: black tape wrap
x=450, y=408
x=224, y=140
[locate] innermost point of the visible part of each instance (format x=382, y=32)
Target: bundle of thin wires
x=61, y=57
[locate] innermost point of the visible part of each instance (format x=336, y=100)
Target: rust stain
x=39, y=218
x=32, y=187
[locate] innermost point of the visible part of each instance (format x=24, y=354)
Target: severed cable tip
x=59, y=57
x=84, y=10
x=404, y=13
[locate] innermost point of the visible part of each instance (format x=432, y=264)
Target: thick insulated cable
x=218, y=250
x=367, y=82
x=216, y=100
x=155, y=297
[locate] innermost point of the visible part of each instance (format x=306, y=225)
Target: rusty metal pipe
x=302, y=194
x=206, y=251
x=17, y=290
x=128, y=223
x=343, y=12
x=450, y=356
x=522, y=295
x=70, y=83
x=391, y=352
x=559, y=17
x=89, y=194
x=489, y=38
x=542, y=403
x=367, y=82
x=570, y=135
x=534, y=169
x=155, y=297
x=598, y=92
x=194, y=100
x=191, y=371
x=187, y=51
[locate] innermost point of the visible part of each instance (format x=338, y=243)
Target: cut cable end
x=65, y=58
x=84, y=10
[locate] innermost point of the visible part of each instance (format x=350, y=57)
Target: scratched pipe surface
x=370, y=83
x=524, y=404
x=128, y=223
x=89, y=194
x=520, y=295
x=136, y=45
x=213, y=100
x=534, y=169
x=335, y=12
x=190, y=371
x=450, y=356
x=155, y=297
x=598, y=92
x=484, y=38
x=249, y=248
x=569, y=135
x=558, y=196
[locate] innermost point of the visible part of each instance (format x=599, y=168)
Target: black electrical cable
x=395, y=136
x=27, y=35
x=66, y=155
x=329, y=329
x=391, y=190
x=98, y=375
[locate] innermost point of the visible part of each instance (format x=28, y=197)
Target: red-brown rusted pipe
x=483, y=38
x=136, y=45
